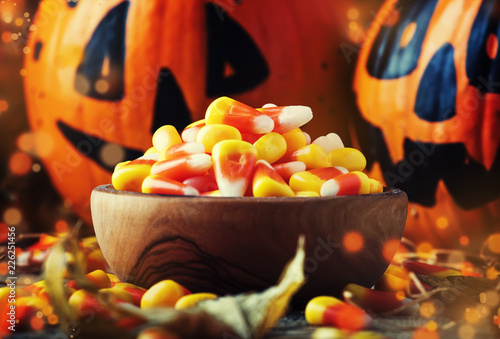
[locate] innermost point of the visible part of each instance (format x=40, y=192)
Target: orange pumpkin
x=102, y=76
x=427, y=86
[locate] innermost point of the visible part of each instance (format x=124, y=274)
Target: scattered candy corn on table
x=466, y=306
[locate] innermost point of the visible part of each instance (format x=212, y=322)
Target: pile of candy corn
x=241, y=151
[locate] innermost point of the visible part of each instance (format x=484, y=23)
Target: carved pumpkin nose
x=437, y=91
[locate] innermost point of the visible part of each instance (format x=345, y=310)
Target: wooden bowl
x=232, y=245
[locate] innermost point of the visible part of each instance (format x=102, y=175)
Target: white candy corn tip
x=189, y=190
x=335, y=140
x=194, y=148
x=190, y=134
x=342, y=169
x=329, y=188
x=232, y=188
x=200, y=162
x=293, y=117
x=262, y=124
x=329, y=142
x=150, y=156
x=269, y=105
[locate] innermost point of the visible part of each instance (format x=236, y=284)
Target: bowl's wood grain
x=231, y=245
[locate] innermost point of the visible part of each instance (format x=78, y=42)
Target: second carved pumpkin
x=428, y=88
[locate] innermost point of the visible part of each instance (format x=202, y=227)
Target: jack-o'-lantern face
x=428, y=85
x=102, y=76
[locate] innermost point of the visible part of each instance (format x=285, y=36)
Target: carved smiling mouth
x=93, y=147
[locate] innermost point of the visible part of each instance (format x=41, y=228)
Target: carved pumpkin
x=428, y=89
x=102, y=76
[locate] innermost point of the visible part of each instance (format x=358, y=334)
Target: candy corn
x=375, y=301
x=211, y=134
x=268, y=183
x=246, y=119
x=312, y=180
x=270, y=147
x=346, y=184
x=183, y=167
x=418, y=267
x=180, y=150
x=330, y=311
x=287, y=118
x=158, y=184
x=233, y=162
x=312, y=155
x=347, y=157
x=165, y=136
x=287, y=169
x=129, y=177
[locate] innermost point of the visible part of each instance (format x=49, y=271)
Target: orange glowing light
x=424, y=333
x=493, y=242
x=23, y=72
x=464, y=240
x=353, y=13
x=37, y=323
x=431, y=325
x=18, y=22
x=472, y=315
x=427, y=309
x=353, y=241
x=12, y=216
x=47, y=310
x=6, y=37
x=389, y=249
x=4, y=105
x=53, y=319
x=4, y=231
x=424, y=248
x=20, y=163
x=492, y=273
x=44, y=144
x=61, y=226
x=353, y=25
x=442, y=223
x=26, y=142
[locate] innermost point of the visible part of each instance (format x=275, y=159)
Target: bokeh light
x=353, y=241
x=37, y=323
x=464, y=240
x=44, y=144
x=389, y=249
x=12, y=216
x=111, y=154
x=424, y=248
x=466, y=332
x=19, y=163
x=4, y=105
x=61, y=226
x=427, y=309
x=493, y=242
x=442, y=223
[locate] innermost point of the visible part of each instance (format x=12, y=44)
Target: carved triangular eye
x=230, y=47
x=437, y=91
x=100, y=74
x=397, y=47
x=170, y=105
x=482, y=66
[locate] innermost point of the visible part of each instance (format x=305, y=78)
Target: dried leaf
x=242, y=316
